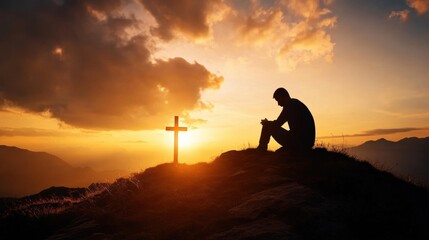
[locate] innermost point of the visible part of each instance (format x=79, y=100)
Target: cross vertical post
x=176, y=130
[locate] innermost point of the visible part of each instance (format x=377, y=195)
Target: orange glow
x=58, y=51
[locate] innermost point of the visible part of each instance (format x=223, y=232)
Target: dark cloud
x=88, y=65
x=376, y=132
x=192, y=18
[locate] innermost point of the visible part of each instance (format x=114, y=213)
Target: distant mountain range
x=407, y=158
x=23, y=172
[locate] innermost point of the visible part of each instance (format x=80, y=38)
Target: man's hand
x=264, y=121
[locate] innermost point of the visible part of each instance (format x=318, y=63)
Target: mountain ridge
x=411, y=141
x=42, y=170
x=407, y=158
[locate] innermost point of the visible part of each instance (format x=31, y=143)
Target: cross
x=176, y=130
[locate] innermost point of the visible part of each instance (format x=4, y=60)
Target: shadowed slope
x=244, y=195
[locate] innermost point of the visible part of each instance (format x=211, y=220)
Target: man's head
x=281, y=96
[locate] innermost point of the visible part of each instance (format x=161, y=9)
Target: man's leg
x=264, y=139
x=290, y=142
x=282, y=136
x=279, y=134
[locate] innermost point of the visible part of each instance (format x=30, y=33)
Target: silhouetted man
x=301, y=134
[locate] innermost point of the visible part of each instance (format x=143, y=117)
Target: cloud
x=309, y=39
x=193, y=122
x=306, y=8
x=190, y=18
x=306, y=47
x=376, y=132
x=421, y=6
x=87, y=64
x=30, y=132
x=261, y=25
x=389, y=131
x=297, y=29
x=401, y=15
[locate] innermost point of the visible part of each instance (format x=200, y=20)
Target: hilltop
x=240, y=195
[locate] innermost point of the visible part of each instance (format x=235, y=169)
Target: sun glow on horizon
x=186, y=140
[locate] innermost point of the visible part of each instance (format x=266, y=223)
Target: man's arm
x=282, y=119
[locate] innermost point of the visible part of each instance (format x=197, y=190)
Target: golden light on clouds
x=308, y=9
x=99, y=15
x=58, y=51
x=402, y=15
x=421, y=6
x=109, y=79
x=261, y=25
x=297, y=30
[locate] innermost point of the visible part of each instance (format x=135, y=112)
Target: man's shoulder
x=297, y=104
x=295, y=101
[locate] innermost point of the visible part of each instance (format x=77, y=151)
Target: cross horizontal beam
x=176, y=129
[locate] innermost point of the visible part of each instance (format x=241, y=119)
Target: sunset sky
x=96, y=82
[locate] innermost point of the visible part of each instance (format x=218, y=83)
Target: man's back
x=301, y=123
